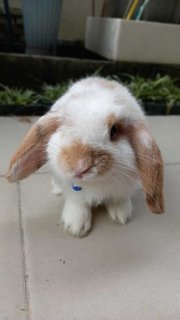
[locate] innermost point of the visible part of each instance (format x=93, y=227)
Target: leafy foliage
x=160, y=89
x=50, y=94
x=16, y=96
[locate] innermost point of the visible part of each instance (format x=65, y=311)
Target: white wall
x=73, y=17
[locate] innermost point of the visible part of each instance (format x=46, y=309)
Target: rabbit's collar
x=75, y=187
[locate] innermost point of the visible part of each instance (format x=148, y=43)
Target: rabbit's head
x=95, y=131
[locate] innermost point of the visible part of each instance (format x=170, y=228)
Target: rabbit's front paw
x=76, y=220
x=120, y=212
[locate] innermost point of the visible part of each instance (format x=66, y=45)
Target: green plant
x=50, y=94
x=3, y=97
x=158, y=89
x=16, y=96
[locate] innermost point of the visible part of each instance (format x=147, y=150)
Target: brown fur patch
x=31, y=154
x=121, y=127
x=89, y=156
x=150, y=165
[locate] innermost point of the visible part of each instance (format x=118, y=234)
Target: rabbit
x=96, y=141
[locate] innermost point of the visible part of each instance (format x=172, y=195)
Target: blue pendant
x=76, y=188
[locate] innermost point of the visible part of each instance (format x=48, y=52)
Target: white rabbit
x=99, y=148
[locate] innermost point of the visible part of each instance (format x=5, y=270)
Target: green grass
x=160, y=89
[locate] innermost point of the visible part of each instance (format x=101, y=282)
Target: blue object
x=76, y=188
x=41, y=24
x=141, y=10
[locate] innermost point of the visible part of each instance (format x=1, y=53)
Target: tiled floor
x=115, y=273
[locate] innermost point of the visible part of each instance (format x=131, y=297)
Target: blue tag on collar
x=75, y=187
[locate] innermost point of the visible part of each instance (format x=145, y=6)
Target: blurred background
x=70, y=18
x=52, y=43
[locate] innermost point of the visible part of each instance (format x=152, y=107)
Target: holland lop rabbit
x=99, y=149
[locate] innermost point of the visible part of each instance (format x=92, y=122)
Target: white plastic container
x=135, y=41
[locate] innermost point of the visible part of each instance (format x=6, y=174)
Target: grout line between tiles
x=26, y=275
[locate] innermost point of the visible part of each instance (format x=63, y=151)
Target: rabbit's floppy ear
x=150, y=165
x=31, y=154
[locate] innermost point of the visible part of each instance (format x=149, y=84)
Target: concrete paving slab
x=12, y=131
x=12, y=284
x=166, y=130
x=129, y=272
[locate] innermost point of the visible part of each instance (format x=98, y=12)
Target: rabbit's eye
x=114, y=132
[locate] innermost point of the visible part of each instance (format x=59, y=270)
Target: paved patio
x=115, y=273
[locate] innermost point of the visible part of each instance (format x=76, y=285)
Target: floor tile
x=12, y=131
x=129, y=272
x=13, y=304
x=167, y=133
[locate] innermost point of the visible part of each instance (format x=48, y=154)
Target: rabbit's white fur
x=83, y=111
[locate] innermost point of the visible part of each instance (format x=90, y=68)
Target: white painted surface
x=136, y=41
